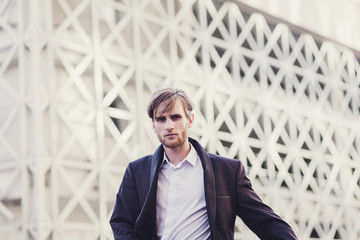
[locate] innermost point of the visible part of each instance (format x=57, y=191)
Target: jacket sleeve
x=259, y=217
x=126, y=209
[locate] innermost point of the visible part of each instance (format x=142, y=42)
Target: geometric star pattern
x=75, y=78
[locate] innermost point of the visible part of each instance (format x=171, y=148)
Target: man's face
x=171, y=127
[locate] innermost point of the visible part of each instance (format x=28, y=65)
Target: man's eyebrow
x=161, y=115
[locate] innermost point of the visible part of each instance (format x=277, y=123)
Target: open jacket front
x=228, y=194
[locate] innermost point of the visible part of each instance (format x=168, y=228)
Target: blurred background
x=276, y=85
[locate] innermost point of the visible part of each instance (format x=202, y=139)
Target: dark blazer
x=228, y=194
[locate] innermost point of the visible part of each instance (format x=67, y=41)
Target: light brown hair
x=169, y=95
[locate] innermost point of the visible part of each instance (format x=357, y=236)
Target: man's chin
x=172, y=144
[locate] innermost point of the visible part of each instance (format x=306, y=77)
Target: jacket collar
x=145, y=226
x=209, y=181
x=156, y=161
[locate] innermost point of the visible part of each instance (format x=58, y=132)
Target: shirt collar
x=191, y=157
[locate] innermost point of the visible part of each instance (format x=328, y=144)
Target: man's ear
x=153, y=125
x=191, y=120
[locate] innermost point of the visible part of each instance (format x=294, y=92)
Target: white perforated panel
x=75, y=78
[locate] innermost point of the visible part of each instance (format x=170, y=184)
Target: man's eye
x=160, y=119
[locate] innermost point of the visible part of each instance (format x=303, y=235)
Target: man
x=181, y=192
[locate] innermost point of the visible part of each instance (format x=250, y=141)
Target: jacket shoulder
x=142, y=162
x=216, y=159
x=228, y=165
x=142, y=159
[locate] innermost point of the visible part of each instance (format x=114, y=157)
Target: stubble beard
x=173, y=144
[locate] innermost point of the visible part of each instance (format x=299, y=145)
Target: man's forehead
x=167, y=107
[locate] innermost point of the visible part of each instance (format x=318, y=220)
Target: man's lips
x=170, y=135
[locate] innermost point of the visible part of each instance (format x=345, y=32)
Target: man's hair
x=169, y=95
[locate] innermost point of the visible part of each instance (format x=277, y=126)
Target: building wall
x=75, y=77
x=330, y=19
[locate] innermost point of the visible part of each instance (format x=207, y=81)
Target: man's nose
x=169, y=124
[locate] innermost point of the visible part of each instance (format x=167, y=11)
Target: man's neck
x=176, y=155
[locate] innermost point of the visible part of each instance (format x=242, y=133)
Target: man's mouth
x=170, y=135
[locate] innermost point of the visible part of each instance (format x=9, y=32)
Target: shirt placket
x=169, y=218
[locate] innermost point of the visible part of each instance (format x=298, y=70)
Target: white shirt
x=180, y=201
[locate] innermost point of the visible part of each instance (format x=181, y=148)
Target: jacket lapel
x=209, y=181
x=145, y=225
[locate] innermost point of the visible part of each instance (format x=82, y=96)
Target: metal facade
x=75, y=77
